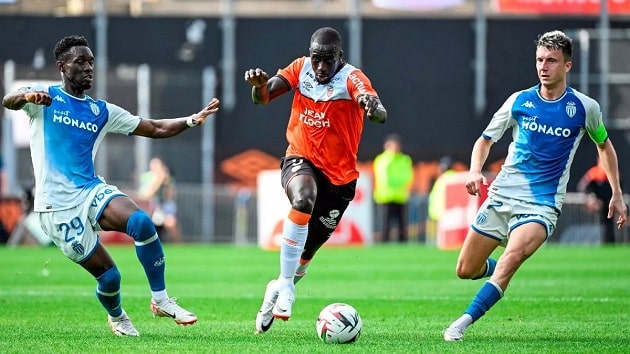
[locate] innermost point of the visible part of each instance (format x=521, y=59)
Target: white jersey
x=545, y=137
x=64, y=138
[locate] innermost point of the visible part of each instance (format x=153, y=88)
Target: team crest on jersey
x=481, y=218
x=94, y=108
x=571, y=109
x=329, y=90
x=78, y=248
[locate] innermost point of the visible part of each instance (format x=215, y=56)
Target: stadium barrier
x=236, y=217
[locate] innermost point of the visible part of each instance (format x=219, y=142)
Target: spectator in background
x=393, y=176
x=4, y=233
x=437, y=195
x=594, y=183
x=4, y=187
x=157, y=186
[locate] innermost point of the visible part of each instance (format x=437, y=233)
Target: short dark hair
x=393, y=137
x=327, y=35
x=65, y=44
x=557, y=40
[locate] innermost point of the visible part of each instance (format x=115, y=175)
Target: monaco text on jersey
x=530, y=123
x=62, y=118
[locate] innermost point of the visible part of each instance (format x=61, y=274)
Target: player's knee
x=110, y=280
x=303, y=203
x=140, y=226
x=465, y=271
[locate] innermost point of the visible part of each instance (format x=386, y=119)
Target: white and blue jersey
x=545, y=137
x=64, y=138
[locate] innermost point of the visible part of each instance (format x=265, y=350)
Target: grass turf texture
x=563, y=300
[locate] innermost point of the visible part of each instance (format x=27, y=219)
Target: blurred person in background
x=157, y=187
x=437, y=195
x=74, y=203
x=596, y=186
x=331, y=99
x=393, y=177
x=525, y=200
x=4, y=181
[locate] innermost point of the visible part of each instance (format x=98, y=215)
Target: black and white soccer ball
x=339, y=323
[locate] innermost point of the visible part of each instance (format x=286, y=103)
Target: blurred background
x=441, y=67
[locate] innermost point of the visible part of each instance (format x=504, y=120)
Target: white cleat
x=284, y=304
x=171, y=309
x=122, y=326
x=453, y=334
x=264, y=317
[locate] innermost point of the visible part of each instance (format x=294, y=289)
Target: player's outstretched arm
x=17, y=99
x=264, y=88
x=165, y=128
x=374, y=109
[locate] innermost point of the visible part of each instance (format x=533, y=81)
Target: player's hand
x=617, y=205
x=38, y=97
x=474, y=182
x=368, y=103
x=256, y=77
x=211, y=108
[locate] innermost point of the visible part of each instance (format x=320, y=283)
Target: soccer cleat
x=284, y=303
x=453, y=334
x=170, y=308
x=122, y=326
x=264, y=317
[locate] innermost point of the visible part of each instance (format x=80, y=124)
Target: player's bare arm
x=478, y=157
x=264, y=88
x=608, y=157
x=17, y=99
x=374, y=109
x=164, y=128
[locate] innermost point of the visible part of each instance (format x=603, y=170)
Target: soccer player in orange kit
x=319, y=171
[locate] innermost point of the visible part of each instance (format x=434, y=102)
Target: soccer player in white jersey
x=73, y=203
x=525, y=200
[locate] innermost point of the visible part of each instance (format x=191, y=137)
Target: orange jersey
x=326, y=121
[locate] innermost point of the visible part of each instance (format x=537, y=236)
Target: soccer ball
x=339, y=323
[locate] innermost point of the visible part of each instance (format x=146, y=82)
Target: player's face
x=77, y=69
x=325, y=59
x=551, y=66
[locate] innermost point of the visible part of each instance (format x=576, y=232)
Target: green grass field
x=564, y=300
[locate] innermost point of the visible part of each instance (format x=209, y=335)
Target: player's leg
x=302, y=193
x=474, y=262
x=487, y=232
x=526, y=236
x=327, y=213
x=101, y=265
x=122, y=214
x=73, y=232
x=298, y=180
